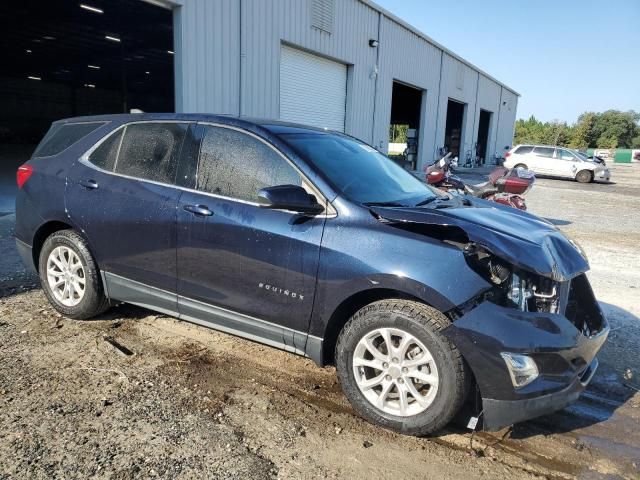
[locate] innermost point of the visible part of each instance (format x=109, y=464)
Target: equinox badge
x=281, y=291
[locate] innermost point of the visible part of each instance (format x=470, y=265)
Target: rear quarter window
x=61, y=136
x=104, y=156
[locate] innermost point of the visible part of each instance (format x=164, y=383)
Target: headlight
x=522, y=368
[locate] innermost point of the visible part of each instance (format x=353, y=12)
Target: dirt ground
x=182, y=401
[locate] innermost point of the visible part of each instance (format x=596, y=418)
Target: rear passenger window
x=544, y=151
x=234, y=164
x=62, y=136
x=523, y=150
x=105, y=155
x=151, y=150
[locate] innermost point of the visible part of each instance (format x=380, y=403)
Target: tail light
x=23, y=174
x=507, y=155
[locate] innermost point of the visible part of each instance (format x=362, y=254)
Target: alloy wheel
x=395, y=372
x=66, y=276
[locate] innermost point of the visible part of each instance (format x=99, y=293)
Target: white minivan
x=557, y=162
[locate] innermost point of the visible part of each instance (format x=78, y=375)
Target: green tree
x=607, y=142
x=582, y=134
x=615, y=125
x=610, y=129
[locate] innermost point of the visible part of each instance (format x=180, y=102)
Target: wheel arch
x=42, y=233
x=350, y=305
x=591, y=172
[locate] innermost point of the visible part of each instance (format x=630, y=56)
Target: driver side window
x=563, y=154
x=237, y=165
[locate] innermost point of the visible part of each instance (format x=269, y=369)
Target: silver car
x=557, y=162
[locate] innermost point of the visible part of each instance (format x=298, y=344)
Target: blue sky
x=564, y=57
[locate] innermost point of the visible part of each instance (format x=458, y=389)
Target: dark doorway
x=453, y=127
x=67, y=58
x=406, y=106
x=483, y=136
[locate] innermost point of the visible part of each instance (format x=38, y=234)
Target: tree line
x=610, y=129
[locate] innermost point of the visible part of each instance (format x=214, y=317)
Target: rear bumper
x=564, y=351
x=26, y=255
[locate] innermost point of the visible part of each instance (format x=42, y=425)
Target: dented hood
x=521, y=239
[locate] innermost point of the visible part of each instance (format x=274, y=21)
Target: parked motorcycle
x=504, y=186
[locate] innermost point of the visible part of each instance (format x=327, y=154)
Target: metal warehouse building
x=347, y=65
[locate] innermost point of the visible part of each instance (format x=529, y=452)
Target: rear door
x=243, y=268
x=122, y=195
x=521, y=155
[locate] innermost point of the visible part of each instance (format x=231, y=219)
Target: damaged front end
x=531, y=343
x=531, y=338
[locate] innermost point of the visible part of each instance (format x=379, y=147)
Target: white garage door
x=313, y=90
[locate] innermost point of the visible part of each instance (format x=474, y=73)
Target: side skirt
x=129, y=291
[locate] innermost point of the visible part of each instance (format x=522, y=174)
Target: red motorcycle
x=504, y=186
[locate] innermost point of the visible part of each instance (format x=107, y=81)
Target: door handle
x=199, y=210
x=89, y=184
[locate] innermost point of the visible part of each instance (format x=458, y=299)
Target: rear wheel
x=584, y=176
x=521, y=165
x=398, y=370
x=69, y=276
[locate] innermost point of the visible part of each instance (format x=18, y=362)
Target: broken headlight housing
x=525, y=291
x=532, y=293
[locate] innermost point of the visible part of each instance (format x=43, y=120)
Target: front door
x=542, y=160
x=244, y=268
x=566, y=163
x=121, y=195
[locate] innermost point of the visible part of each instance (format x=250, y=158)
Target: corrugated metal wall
x=228, y=61
x=506, y=120
x=407, y=58
x=488, y=99
x=207, y=56
x=459, y=83
x=266, y=24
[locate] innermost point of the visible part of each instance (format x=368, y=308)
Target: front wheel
x=69, y=276
x=398, y=370
x=521, y=165
x=584, y=176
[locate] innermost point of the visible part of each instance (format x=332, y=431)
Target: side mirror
x=289, y=197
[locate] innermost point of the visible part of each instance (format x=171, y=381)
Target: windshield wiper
x=383, y=204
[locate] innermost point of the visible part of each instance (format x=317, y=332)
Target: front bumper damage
x=564, y=347
x=602, y=174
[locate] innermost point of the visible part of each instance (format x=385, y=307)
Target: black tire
x=425, y=324
x=521, y=165
x=94, y=301
x=584, y=176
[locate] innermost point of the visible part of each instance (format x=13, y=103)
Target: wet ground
x=181, y=401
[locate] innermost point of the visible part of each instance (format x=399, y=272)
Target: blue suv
x=313, y=242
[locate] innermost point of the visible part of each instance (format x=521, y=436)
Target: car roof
x=540, y=145
x=276, y=127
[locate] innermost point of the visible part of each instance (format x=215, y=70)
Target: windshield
x=581, y=155
x=358, y=171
